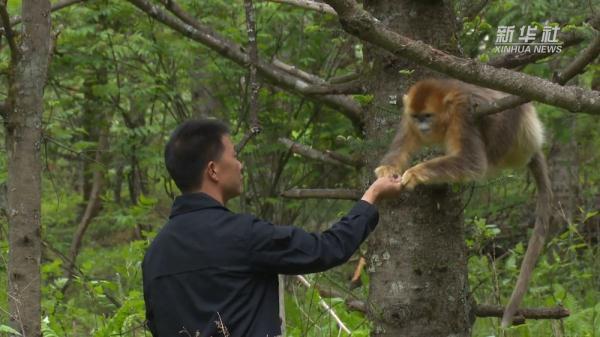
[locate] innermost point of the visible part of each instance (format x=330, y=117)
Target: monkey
x=438, y=112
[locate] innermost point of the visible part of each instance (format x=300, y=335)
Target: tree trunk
x=23, y=142
x=417, y=257
x=136, y=177
x=91, y=118
x=93, y=200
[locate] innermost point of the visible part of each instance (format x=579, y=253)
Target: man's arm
x=292, y=250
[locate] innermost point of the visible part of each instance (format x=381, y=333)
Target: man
x=212, y=272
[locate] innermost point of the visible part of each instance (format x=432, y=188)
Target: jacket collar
x=190, y=202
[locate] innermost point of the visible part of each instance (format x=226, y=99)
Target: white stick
x=326, y=306
x=307, y=4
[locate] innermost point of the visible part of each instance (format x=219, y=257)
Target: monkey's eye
x=422, y=116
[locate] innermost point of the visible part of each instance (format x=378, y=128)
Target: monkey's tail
x=539, y=170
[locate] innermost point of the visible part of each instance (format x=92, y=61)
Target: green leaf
x=6, y=328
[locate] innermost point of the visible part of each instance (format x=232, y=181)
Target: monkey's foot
x=386, y=171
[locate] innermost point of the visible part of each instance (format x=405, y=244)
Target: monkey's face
x=425, y=109
x=423, y=121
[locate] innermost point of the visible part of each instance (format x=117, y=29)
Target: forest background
x=119, y=81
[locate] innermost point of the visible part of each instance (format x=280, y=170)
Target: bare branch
x=344, y=159
x=491, y=310
x=309, y=152
x=326, y=306
x=228, y=49
x=348, y=88
x=480, y=310
x=575, y=67
x=322, y=86
x=345, y=78
x=359, y=22
x=307, y=4
x=580, y=62
x=255, y=128
x=253, y=54
x=499, y=105
x=325, y=193
x=10, y=35
x=293, y=70
x=514, y=60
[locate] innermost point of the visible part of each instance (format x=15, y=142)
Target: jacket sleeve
x=292, y=250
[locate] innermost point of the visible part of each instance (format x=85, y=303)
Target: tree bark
x=23, y=142
x=417, y=258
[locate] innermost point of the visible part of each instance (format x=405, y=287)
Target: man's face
x=229, y=170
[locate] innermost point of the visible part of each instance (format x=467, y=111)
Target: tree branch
x=295, y=71
x=353, y=87
x=254, y=86
x=491, y=310
x=344, y=159
x=344, y=78
x=10, y=35
x=580, y=62
x=321, y=86
x=309, y=152
x=230, y=50
x=575, y=67
x=360, y=23
x=480, y=310
x=325, y=193
x=307, y=4
x=326, y=306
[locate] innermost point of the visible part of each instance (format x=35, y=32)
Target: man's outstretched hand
x=384, y=187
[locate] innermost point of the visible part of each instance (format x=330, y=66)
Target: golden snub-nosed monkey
x=438, y=112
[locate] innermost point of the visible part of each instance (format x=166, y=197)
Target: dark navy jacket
x=210, y=265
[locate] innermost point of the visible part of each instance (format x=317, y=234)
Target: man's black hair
x=191, y=146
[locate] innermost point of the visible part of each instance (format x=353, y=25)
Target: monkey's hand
x=412, y=177
x=387, y=171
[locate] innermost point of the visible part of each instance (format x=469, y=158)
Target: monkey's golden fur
x=438, y=112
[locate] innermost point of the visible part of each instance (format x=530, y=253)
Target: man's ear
x=211, y=171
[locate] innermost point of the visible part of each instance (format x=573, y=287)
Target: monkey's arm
x=466, y=161
x=396, y=159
